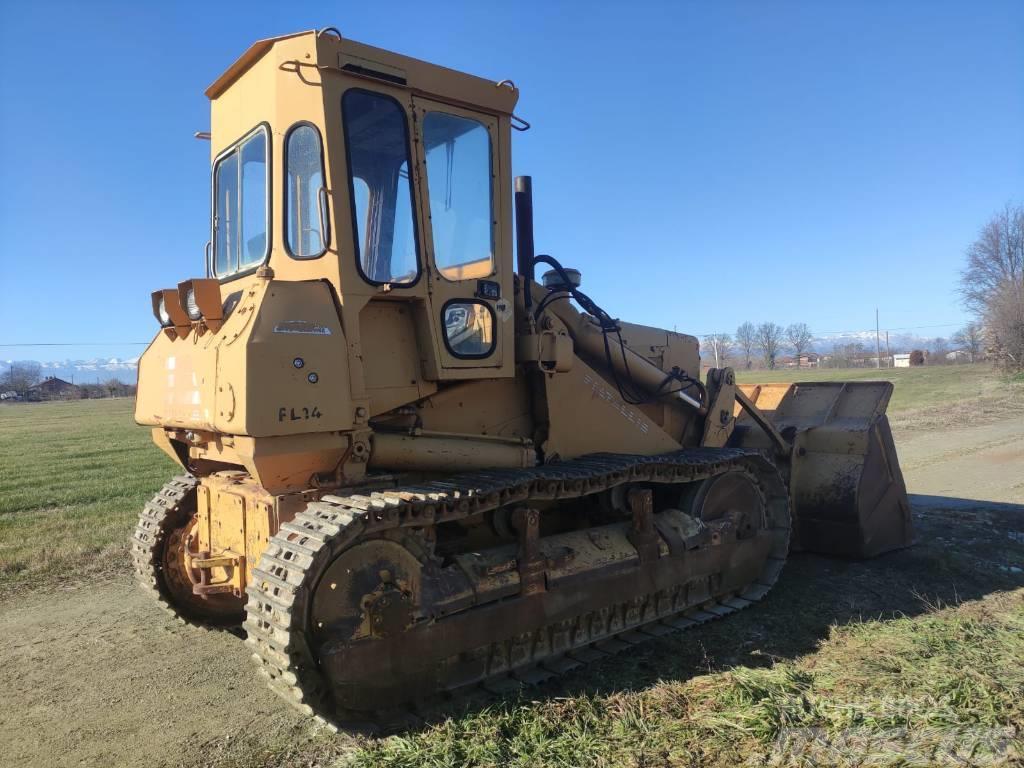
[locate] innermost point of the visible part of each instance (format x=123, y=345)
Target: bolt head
x=298, y=362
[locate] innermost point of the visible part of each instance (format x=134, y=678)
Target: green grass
x=948, y=679
x=914, y=388
x=74, y=476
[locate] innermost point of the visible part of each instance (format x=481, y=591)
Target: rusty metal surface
x=157, y=549
x=495, y=638
x=844, y=476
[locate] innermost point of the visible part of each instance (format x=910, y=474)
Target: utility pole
x=888, y=354
x=878, y=343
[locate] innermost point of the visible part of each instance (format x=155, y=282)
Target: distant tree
x=720, y=345
x=992, y=285
x=769, y=338
x=994, y=260
x=971, y=338
x=114, y=387
x=849, y=355
x=746, y=339
x=937, y=351
x=917, y=357
x=20, y=376
x=93, y=391
x=1005, y=325
x=799, y=337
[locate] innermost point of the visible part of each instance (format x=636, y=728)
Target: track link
x=286, y=576
x=168, y=510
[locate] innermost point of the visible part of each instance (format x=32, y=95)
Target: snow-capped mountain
x=898, y=342
x=84, y=371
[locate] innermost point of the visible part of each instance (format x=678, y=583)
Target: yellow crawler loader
x=412, y=466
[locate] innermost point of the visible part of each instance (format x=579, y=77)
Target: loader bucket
x=844, y=477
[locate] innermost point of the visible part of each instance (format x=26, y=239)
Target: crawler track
x=287, y=574
x=164, y=515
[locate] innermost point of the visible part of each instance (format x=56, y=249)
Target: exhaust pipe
x=524, y=228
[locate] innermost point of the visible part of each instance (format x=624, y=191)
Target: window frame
x=211, y=267
x=494, y=328
x=284, y=203
x=492, y=225
x=411, y=161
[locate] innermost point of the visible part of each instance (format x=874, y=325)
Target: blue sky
x=702, y=163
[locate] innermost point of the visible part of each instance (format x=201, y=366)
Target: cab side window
x=458, y=155
x=380, y=187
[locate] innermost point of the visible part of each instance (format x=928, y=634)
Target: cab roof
x=342, y=55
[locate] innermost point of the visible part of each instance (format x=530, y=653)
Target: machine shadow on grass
x=963, y=550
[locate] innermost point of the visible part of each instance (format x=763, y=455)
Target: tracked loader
x=414, y=462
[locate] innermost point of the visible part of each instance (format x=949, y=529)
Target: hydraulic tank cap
x=553, y=281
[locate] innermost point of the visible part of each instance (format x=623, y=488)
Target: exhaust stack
x=524, y=227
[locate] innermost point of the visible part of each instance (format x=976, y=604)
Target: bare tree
x=849, y=355
x=938, y=352
x=769, y=337
x=1005, y=326
x=971, y=338
x=799, y=337
x=746, y=339
x=992, y=285
x=20, y=376
x=720, y=345
x=994, y=260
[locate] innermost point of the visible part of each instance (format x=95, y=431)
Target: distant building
x=958, y=356
x=52, y=388
x=901, y=360
x=807, y=360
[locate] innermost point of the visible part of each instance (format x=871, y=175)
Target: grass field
x=74, y=476
x=914, y=388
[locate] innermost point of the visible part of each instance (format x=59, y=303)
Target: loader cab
x=385, y=176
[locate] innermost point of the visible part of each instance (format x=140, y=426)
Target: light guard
x=207, y=298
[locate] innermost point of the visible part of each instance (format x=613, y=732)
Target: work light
x=168, y=312
x=202, y=301
x=161, y=313
x=191, y=307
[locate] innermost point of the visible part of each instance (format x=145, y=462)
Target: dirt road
x=985, y=462
x=95, y=675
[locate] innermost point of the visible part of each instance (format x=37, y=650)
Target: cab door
x=462, y=198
